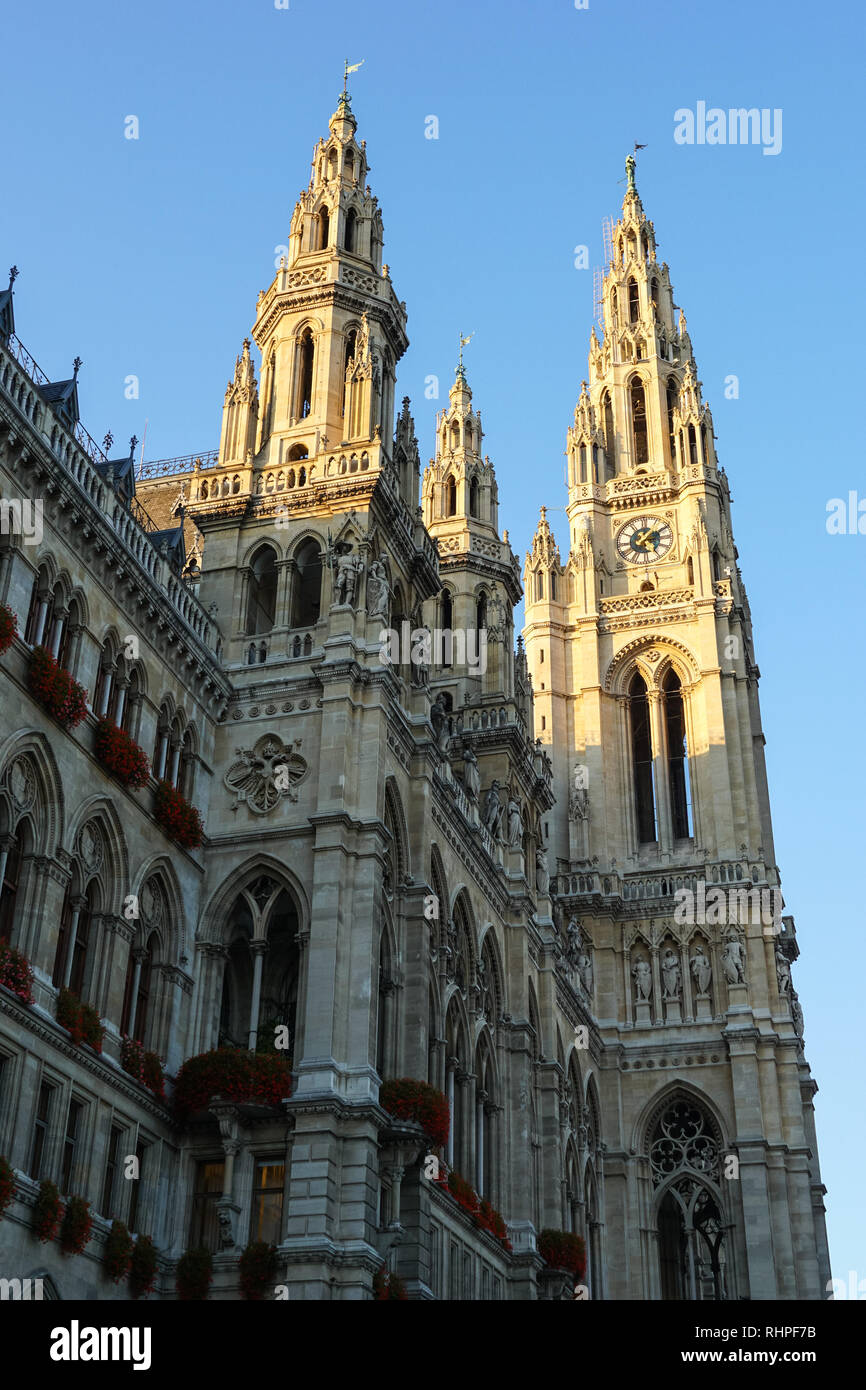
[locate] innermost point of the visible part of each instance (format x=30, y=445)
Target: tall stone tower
x=646, y=689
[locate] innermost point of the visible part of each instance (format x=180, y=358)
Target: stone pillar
x=139, y=956
x=77, y=904
x=258, y=950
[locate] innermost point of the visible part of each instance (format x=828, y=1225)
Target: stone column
x=258, y=950
x=139, y=956
x=77, y=904
x=662, y=791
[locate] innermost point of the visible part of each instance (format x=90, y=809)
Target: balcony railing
x=185, y=463
x=17, y=350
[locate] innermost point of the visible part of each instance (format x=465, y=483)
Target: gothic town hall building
x=530, y=881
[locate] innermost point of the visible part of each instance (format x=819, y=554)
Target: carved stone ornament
x=21, y=781
x=267, y=773
x=90, y=848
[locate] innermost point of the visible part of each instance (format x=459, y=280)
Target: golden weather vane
x=461, y=342
x=351, y=67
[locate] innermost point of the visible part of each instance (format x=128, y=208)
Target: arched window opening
x=262, y=600
x=481, y=612
x=684, y=1159
x=609, y=438
x=351, y=229
x=447, y=623
x=639, y=422
x=351, y=340
x=384, y=1003
x=451, y=497
x=70, y=961
x=654, y=294
x=693, y=447
x=717, y=566
x=307, y=586
x=552, y=586
x=690, y=570
x=671, y=397
x=583, y=477
x=642, y=760
x=473, y=497
x=298, y=451
x=539, y=586
x=11, y=881
x=678, y=766
x=633, y=301
x=306, y=354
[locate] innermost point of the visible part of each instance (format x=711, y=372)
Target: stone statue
x=378, y=592
x=515, y=823
x=671, y=975
x=349, y=569
x=439, y=720
x=734, y=961
x=537, y=759
x=578, y=804
x=471, y=775
x=572, y=941
x=783, y=971
x=226, y=1234
x=702, y=971
x=643, y=980
x=584, y=970
x=796, y=1014
x=542, y=876
x=492, y=808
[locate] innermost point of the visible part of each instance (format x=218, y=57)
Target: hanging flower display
x=563, y=1250
x=15, y=972
x=416, y=1100
x=177, y=817
x=121, y=755
x=63, y=698
x=48, y=1211
x=76, y=1226
x=142, y=1268
x=259, y=1078
x=8, y=627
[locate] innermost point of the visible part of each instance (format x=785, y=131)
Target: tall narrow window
x=583, y=463
x=481, y=612
x=678, y=771
x=262, y=599
x=109, y=1185
x=351, y=229
x=633, y=301
x=693, y=447
x=306, y=354
x=451, y=497
x=267, y=1207
x=473, y=497
x=204, y=1229
x=447, y=622
x=324, y=229
x=654, y=294
x=639, y=422
x=80, y=944
x=642, y=760
x=539, y=586
x=40, y=1131
x=9, y=890
x=609, y=437
x=671, y=397
x=70, y=1144
x=307, y=586
x=690, y=570
x=351, y=339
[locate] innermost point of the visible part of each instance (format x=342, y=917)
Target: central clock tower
x=639, y=645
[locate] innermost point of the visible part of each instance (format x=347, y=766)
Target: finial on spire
x=132, y=443
x=461, y=343
x=630, y=167
x=351, y=67
x=13, y=275
x=108, y=441
x=76, y=367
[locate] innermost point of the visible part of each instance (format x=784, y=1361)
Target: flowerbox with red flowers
x=142, y=1268
x=258, y=1269
x=387, y=1286
x=7, y=1184
x=254, y=1078
x=76, y=1226
x=177, y=818
x=8, y=627
x=563, y=1250
x=121, y=755
x=48, y=1211
x=54, y=688
x=15, y=972
x=80, y=1020
x=194, y=1275
x=144, y=1067
x=117, y=1252
x=483, y=1215
x=416, y=1100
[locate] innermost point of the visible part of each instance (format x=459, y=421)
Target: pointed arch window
x=307, y=586
x=11, y=881
x=539, y=586
x=633, y=301
x=693, y=447
x=351, y=340
x=447, y=622
x=642, y=760
x=678, y=763
x=350, y=239
x=609, y=437
x=690, y=570
x=671, y=398
x=306, y=357
x=583, y=463
x=639, y=422
x=262, y=601
x=323, y=229
x=481, y=612
x=451, y=497
x=473, y=497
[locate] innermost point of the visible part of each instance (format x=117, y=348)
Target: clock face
x=644, y=539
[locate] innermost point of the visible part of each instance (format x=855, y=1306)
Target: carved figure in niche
x=783, y=971
x=471, y=775
x=734, y=961
x=378, y=592
x=671, y=975
x=702, y=971
x=643, y=979
x=572, y=941
x=515, y=823
x=492, y=807
x=542, y=875
x=439, y=720
x=349, y=569
x=584, y=970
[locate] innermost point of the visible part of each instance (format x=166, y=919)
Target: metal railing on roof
x=162, y=468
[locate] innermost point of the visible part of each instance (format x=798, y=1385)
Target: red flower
x=63, y=698
x=416, y=1100
x=48, y=1211
x=76, y=1227
x=121, y=754
x=258, y=1268
x=7, y=1184
x=117, y=1252
x=177, y=818
x=259, y=1078
x=8, y=627
x=80, y=1020
x=142, y=1269
x=144, y=1067
x=388, y=1286
x=563, y=1250
x=15, y=972
x=194, y=1275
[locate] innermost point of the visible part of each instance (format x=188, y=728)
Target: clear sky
x=145, y=257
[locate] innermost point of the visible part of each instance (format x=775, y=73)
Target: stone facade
x=450, y=863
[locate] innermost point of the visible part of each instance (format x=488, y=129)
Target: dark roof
x=58, y=390
x=7, y=315
x=124, y=471
x=173, y=540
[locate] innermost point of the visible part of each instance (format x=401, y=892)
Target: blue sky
x=145, y=257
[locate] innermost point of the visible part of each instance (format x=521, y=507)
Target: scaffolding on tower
x=598, y=274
